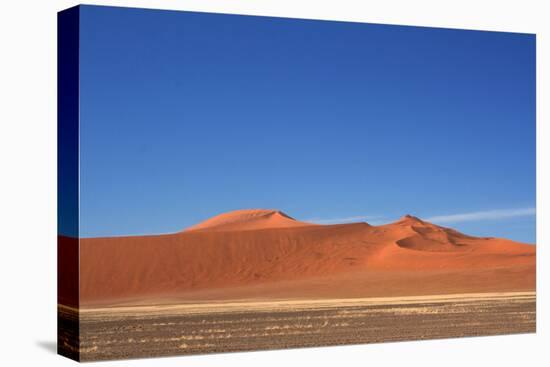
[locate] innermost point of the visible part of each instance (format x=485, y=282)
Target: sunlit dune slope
x=248, y=219
x=266, y=254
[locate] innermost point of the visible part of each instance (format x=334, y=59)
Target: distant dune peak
x=411, y=219
x=248, y=219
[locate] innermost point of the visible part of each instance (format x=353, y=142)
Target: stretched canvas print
x=234, y=183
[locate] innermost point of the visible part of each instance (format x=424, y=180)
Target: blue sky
x=187, y=115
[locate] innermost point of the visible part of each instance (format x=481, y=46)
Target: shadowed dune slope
x=265, y=254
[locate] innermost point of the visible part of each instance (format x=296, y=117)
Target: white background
x=28, y=182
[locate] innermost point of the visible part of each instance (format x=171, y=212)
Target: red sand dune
x=240, y=220
x=265, y=254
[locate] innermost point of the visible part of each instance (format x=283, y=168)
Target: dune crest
x=248, y=219
x=262, y=253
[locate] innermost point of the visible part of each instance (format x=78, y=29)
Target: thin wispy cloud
x=440, y=219
x=483, y=215
x=357, y=218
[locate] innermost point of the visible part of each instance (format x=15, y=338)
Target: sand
x=248, y=219
x=265, y=254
